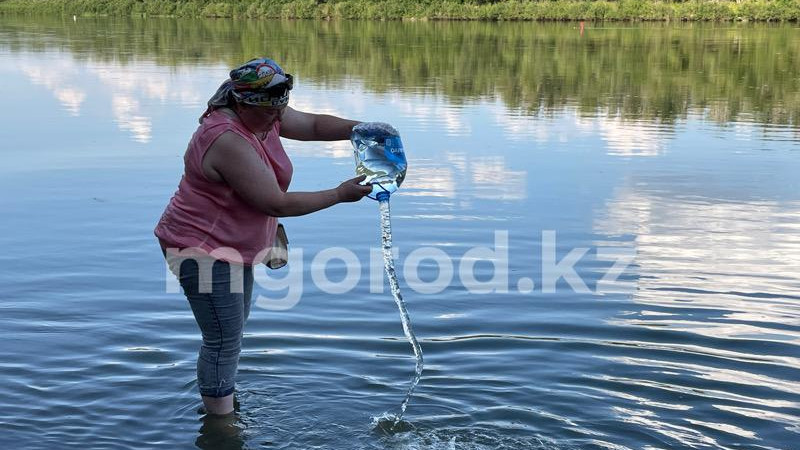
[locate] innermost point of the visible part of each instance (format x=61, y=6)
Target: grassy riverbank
x=701, y=10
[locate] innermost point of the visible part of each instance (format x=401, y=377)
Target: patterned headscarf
x=260, y=82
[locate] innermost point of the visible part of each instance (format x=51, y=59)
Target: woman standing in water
x=223, y=218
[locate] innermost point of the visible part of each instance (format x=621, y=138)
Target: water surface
x=673, y=145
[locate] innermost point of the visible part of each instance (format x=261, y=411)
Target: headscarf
x=260, y=82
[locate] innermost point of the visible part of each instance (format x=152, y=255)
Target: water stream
x=388, y=261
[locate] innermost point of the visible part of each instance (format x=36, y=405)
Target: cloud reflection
x=71, y=99
x=720, y=269
x=522, y=126
x=792, y=422
x=492, y=180
x=627, y=137
x=133, y=89
x=55, y=76
x=430, y=179
x=736, y=261
x=649, y=420
x=484, y=177
x=136, y=92
x=130, y=85
x=127, y=114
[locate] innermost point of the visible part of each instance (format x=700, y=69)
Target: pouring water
x=379, y=155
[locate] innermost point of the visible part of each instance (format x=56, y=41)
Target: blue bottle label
x=393, y=149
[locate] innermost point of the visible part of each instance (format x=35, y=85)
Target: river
x=598, y=239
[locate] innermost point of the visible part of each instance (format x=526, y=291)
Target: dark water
x=672, y=147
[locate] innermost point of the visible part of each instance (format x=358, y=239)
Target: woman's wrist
x=352, y=124
x=337, y=194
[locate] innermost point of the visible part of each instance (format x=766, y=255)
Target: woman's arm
x=238, y=164
x=303, y=126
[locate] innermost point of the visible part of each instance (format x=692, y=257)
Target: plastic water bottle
x=379, y=155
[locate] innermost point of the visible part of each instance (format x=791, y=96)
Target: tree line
x=650, y=10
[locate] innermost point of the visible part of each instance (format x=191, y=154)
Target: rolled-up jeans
x=219, y=294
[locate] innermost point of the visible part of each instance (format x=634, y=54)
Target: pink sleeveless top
x=208, y=215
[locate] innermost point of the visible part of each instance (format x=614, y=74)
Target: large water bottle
x=379, y=155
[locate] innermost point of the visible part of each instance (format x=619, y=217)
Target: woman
x=224, y=213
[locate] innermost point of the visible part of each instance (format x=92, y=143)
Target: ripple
x=713, y=394
x=792, y=421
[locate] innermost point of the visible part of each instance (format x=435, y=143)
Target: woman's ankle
x=218, y=405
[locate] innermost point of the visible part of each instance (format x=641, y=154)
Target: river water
x=597, y=241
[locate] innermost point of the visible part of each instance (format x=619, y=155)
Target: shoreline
x=410, y=10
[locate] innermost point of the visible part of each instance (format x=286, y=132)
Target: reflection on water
x=485, y=177
x=56, y=79
x=628, y=137
x=220, y=432
x=728, y=72
x=108, y=85
x=735, y=263
x=649, y=420
x=678, y=141
x=722, y=269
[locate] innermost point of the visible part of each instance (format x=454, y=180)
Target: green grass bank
x=622, y=10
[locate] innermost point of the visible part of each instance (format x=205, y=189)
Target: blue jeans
x=219, y=294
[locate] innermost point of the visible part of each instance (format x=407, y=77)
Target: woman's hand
x=352, y=191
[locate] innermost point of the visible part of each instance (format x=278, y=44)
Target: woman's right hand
x=352, y=191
